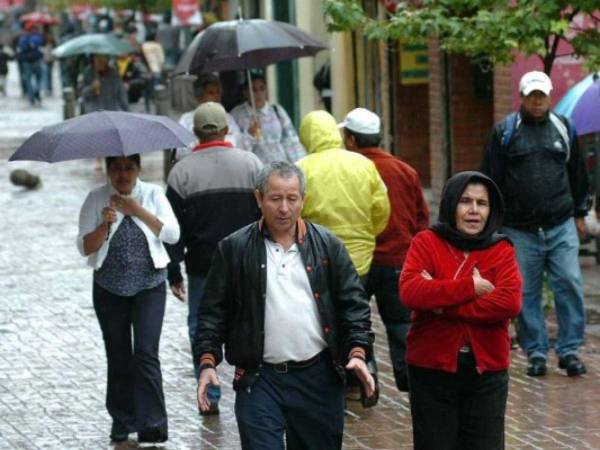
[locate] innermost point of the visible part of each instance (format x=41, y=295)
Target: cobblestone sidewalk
x=52, y=364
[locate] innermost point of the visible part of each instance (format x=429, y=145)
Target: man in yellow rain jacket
x=344, y=191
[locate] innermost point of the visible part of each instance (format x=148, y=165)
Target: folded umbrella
x=103, y=133
x=94, y=43
x=581, y=104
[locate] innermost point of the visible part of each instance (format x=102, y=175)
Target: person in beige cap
x=533, y=157
x=212, y=194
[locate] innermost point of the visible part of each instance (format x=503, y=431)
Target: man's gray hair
x=282, y=169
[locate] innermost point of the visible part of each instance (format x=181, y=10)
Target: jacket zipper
x=462, y=264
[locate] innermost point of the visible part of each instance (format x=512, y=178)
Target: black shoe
x=573, y=365
x=536, y=367
x=118, y=432
x=154, y=434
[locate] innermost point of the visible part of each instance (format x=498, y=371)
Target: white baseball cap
x=362, y=121
x=535, y=81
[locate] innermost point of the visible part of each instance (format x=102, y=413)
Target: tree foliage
x=484, y=29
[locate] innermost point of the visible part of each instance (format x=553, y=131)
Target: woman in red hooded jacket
x=462, y=282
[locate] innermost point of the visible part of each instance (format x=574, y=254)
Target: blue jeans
x=304, y=405
x=195, y=290
x=383, y=283
x=32, y=78
x=554, y=251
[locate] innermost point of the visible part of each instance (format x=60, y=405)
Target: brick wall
x=473, y=111
x=437, y=130
x=472, y=115
x=411, y=130
x=502, y=92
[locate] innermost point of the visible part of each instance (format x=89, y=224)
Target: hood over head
x=319, y=132
x=446, y=224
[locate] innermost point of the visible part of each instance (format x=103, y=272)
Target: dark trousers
x=461, y=411
x=306, y=405
x=134, y=395
x=383, y=284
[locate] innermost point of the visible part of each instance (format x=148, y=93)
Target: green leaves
x=496, y=28
x=344, y=15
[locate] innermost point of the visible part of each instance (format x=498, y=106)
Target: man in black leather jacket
x=283, y=296
x=534, y=158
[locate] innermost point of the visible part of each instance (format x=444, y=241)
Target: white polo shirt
x=293, y=330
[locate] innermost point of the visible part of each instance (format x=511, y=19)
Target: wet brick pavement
x=52, y=364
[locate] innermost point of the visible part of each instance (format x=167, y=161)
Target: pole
x=161, y=97
x=68, y=103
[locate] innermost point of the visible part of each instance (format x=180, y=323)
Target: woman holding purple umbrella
x=122, y=228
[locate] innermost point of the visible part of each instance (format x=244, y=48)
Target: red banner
x=186, y=12
x=390, y=4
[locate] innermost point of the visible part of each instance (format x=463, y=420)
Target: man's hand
x=178, y=290
x=362, y=373
x=580, y=225
x=482, y=286
x=207, y=377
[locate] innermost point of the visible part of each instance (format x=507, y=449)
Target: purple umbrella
x=586, y=114
x=103, y=133
x=581, y=104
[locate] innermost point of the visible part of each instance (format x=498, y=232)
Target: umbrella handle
x=251, y=93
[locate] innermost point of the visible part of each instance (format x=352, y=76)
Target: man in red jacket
x=409, y=215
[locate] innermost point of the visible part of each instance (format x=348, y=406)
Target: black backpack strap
x=509, y=125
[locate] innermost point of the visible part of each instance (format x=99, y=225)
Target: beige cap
x=210, y=116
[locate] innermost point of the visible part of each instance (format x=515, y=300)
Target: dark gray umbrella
x=103, y=133
x=245, y=44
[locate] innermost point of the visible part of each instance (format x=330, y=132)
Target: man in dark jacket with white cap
x=534, y=158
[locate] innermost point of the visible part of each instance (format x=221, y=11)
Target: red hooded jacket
x=446, y=312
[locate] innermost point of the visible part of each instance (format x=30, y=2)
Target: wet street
x=52, y=363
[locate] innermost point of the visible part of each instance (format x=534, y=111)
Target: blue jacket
x=29, y=48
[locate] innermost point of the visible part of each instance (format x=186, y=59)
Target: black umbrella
x=103, y=133
x=245, y=44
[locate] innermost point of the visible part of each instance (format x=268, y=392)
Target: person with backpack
x=533, y=156
x=29, y=54
x=266, y=128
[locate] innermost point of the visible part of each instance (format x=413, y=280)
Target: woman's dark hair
x=205, y=80
x=364, y=140
x=254, y=76
x=135, y=158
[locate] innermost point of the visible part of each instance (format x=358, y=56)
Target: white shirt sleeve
x=89, y=219
x=170, y=231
